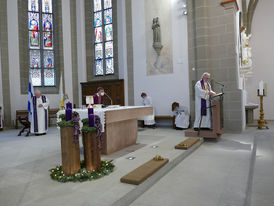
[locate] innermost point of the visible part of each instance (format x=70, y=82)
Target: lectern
x=216, y=106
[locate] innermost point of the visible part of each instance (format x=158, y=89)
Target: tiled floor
x=217, y=173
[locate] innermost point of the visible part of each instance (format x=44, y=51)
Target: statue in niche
x=157, y=45
x=246, y=49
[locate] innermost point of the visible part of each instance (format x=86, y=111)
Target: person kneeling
x=181, y=116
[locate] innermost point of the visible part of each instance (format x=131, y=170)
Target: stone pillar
x=212, y=48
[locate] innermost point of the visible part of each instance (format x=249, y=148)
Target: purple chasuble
x=203, y=101
x=96, y=99
x=34, y=102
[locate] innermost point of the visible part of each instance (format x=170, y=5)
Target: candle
x=90, y=111
x=261, y=88
x=91, y=120
x=68, y=114
x=69, y=105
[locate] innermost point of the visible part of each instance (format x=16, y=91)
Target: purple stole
x=203, y=101
x=96, y=99
x=34, y=102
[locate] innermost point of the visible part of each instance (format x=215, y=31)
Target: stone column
x=212, y=48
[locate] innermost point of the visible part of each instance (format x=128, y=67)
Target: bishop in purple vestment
x=98, y=98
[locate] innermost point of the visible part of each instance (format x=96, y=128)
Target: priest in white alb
x=203, y=92
x=39, y=108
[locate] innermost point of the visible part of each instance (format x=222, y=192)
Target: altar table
x=120, y=125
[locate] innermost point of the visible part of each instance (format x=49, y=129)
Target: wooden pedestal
x=91, y=151
x=70, y=152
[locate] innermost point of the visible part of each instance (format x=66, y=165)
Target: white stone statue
x=246, y=49
x=157, y=43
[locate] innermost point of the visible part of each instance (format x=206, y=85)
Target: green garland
x=65, y=124
x=62, y=117
x=85, y=121
x=83, y=174
x=87, y=129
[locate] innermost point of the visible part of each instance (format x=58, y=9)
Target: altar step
x=188, y=143
x=135, y=193
x=203, y=134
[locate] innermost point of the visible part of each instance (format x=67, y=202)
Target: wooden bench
x=25, y=113
x=157, y=118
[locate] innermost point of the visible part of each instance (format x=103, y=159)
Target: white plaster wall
x=19, y=101
x=1, y=88
x=262, y=43
x=81, y=45
x=67, y=48
x=122, y=45
x=164, y=89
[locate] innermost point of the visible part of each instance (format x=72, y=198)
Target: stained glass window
x=103, y=37
x=41, y=42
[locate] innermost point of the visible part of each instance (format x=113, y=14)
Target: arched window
x=103, y=37
x=41, y=42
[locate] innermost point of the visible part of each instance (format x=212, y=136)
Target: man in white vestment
x=146, y=101
x=202, y=111
x=181, y=116
x=39, y=121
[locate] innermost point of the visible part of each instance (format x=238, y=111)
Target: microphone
x=109, y=98
x=219, y=83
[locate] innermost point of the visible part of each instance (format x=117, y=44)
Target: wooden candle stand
x=91, y=151
x=261, y=122
x=70, y=152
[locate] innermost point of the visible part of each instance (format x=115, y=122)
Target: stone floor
x=236, y=170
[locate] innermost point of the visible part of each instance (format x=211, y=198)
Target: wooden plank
x=143, y=172
x=186, y=144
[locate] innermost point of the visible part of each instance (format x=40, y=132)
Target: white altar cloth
x=83, y=113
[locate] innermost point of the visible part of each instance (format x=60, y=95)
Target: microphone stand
x=111, y=103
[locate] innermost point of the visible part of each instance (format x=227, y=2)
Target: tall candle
x=69, y=105
x=90, y=111
x=68, y=114
x=91, y=120
x=261, y=88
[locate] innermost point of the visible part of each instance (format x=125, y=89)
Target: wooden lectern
x=217, y=120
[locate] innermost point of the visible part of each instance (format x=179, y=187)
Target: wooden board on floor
x=186, y=144
x=143, y=172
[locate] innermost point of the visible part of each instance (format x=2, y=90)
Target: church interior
x=136, y=103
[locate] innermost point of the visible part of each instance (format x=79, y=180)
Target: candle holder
x=261, y=122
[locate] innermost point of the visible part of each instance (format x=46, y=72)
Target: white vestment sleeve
x=46, y=104
x=199, y=91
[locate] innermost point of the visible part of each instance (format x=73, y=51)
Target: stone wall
x=212, y=48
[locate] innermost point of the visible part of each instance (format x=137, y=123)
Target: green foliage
x=87, y=129
x=65, y=124
x=62, y=117
x=83, y=174
x=85, y=121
